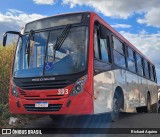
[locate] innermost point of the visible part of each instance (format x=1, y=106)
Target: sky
x=137, y=20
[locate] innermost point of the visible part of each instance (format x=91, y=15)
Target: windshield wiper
x=61, y=38
x=28, y=45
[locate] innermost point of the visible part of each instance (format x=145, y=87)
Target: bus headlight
x=14, y=91
x=78, y=86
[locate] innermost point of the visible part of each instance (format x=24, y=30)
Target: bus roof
x=63, y=14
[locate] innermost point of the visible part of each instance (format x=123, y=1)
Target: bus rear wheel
x=145, y=109
x=148, y=103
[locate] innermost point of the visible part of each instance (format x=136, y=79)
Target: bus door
x=103, y=76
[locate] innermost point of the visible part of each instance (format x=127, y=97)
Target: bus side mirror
x=11, y=32
x=4, y=39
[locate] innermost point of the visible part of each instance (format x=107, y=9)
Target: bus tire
x=148, y=103
x=145, y=109
x=154, y=108
x=141, y=109
x=57, y=118
x=117, y=102
x=158, y=109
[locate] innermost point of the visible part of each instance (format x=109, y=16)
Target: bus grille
x=37, y=96
x=41, y=85
x=51, y=107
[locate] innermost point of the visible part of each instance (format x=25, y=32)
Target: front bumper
x=80, y=104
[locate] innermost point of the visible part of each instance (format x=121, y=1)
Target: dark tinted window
x=145, y=64
x=140, y=70
x=131, y=65
x=139, y=65
x=104, y=50
x=146, y=71
x=96, y=46
x=139, y=59
x=154, y=73
x=119, y=56
x=130, y=54
x=101, y=46
x=119, y=59
x=131, y=60
x=151, y=72
x=117, y=45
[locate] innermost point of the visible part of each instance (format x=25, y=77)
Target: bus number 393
x=62, y=91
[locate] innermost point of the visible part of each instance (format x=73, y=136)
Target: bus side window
x=118, y=52
x=154, y=73
x=101, y=50
x=139, y=64
x=146, y=71
x=142, y=60
x=104, y=50
x=131, y=59
x=96, y=45
x=101, y=46
x=151, y=73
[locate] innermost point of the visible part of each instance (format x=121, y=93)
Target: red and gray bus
x=77, y=64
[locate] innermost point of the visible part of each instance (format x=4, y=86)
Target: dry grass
x=6, y=59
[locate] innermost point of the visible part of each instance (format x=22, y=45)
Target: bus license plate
x=41, y=104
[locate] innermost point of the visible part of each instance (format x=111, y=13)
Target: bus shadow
x=96, y=121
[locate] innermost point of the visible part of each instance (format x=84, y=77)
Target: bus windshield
x=41, y=57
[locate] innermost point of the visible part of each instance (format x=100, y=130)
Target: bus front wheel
x=117, y=101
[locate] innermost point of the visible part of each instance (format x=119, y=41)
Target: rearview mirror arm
x=11, y=32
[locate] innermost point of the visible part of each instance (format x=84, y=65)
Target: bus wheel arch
x=120, y=93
